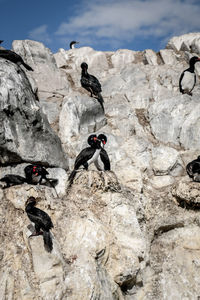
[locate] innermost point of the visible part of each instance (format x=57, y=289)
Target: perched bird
x=35, y=173
x=15, y=58
x=103, y=154
x=103, y=157
x=87, y=156
x=41, y=220
x=72, y=44
x=188, y=77
x=91, y=83
x=193, y=169
x=11, y=179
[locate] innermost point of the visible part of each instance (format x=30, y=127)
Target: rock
x=151, y=57
x=50, y=80
x=187, y=193
x=195, y=46
x=80, y=115
x=175, y=43
x=166, y=160
x=25, y=134
x=168, y=57
x=122, y=57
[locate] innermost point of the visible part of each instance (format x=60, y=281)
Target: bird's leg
x=37, y=231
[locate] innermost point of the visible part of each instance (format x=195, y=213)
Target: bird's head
x=102, y=138
x=193, y=60
x=84, y=66
x=72, y=44
x=32, y=200
x=198, y=157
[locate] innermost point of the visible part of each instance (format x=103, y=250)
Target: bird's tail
x=48, y=244
x=100, y=99
x=72, y=176
x=27, y=67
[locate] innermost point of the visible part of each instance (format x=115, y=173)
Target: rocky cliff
x=131, y=233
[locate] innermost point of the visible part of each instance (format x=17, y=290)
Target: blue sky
x=105, y=25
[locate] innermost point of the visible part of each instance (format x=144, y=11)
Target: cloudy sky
x=104, y=25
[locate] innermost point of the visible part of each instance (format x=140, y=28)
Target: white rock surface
x=128, y=234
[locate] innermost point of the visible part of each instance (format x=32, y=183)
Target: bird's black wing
x=105, y=159
x=11, y=178
x=180, y=79
x=94, y=82
x=83, y=157
x=41, y=218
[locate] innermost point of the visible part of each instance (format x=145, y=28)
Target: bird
x=103, y=157
x=1, y=41
x=41, y=220
x=11, y=179
x=87, y=156
x=35, y=173
x=103, y=154
x=15, y=58
x=187, y=79
x=72, y=44
x=91, y=83
x=193, y=169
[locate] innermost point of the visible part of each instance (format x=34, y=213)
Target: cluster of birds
x=95, y=153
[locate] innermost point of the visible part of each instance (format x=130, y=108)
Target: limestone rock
x=50, y=80
x=187, y=193
x=175, y=43
x=25, y=134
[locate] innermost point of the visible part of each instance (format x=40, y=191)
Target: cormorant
x=91, y=84
x=41, y=220
x=103, y=154
x=72, y=44
x=15, y=58
x=11, y=179
x=188, y=77
x=35, y=174
x=193, y=169
x=87, y=156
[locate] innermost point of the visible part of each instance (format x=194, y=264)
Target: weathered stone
x=25, y=134
x=49, y=79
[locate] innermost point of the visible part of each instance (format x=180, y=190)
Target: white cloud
x=40, y=34
x=120, y=20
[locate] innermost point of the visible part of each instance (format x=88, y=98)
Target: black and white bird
x=15, y=58
x=72, y=44
x=91, y=83
x=193, y=169
x=87, y=156
x=103, y=154
x=42, y=222
x=187, y=79
x=35, y=174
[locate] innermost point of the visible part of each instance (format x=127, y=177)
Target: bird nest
x=96, y=180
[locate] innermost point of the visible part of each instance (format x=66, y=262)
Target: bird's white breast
x=187, y=82
x=94, y=157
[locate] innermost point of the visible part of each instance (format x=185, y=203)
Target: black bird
x=103, y=154
x=193, y=169
x=72, y=44
x=11, y=179
x=188, y=77
x=87, y=156
x=1, y=41
x=14, y=57
x=41, y=220
x=91, y=84
x=35, y=173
